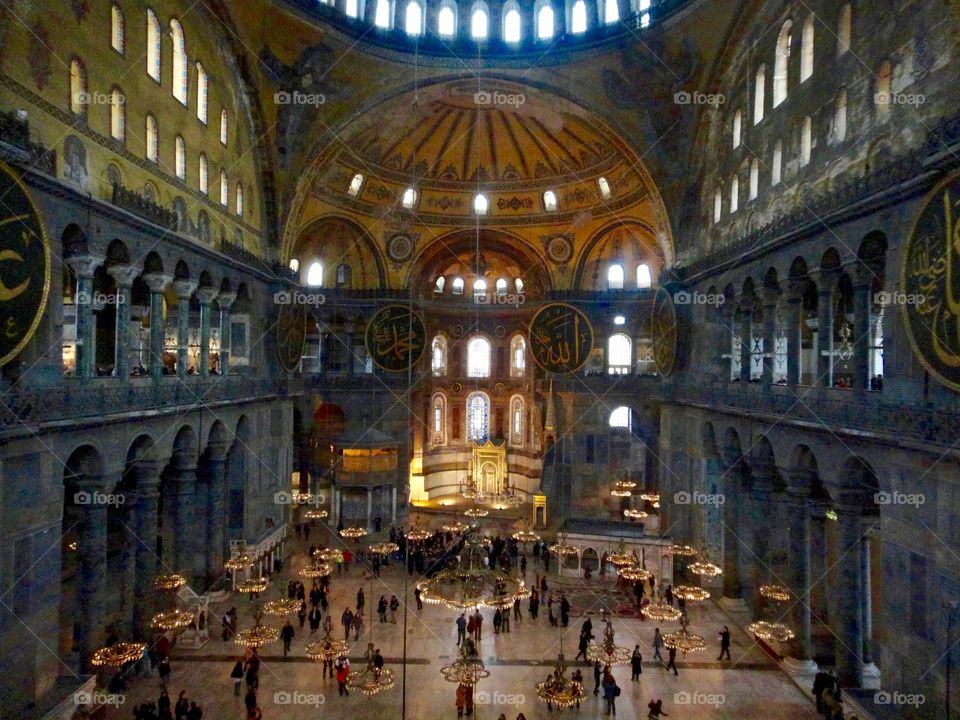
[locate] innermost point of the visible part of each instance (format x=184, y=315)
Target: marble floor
x=749, y=686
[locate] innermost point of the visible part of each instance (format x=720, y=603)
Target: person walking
x=237, y=675
x=534, y=604
x=657, y=644
x=163, y=667
x=347, y=621
x=382, y=609
x=314, y=620
x=636, y=664
x=597, y=673
x=286, y=634
x=461, y=699
x=360, y=600
x=517, y=615
x=724, y=642
x=668, y=595
x=656, y=710
x=505, y=621
x=394, y=606
x=182, y=706
x=343, y=671
x=461, y=629
x=582, y=646
x=479, y=626
x=672, y=660
x=416, y=594
x=194, y=713
x=302, y=614
x=611, y=691
x=357, y=626
x=497, y=621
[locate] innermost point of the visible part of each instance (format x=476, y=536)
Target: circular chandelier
x=280, y=608
x=705, y=569
x=683, y=550
x=623, y=488
x=621, y=558
x=525, y=536
x=563, y=548
x=239, y=562
x=174, y=619
x=634, y=514
x=118, y=654
x=633, y=573
x=328, y=555
x=384, y=548
x=327, y=649
x=476, y=513
x=558, y=689
x=259, y=634
x=684, y=641
x=252, y=585
x=419, y=535
x=608, y=652
x=661, y=611
x=317, y=569
x=775, y=592
x=691, y=593
x=650, y=497
x=353, y=533
x=461, y=589
x=303, y=498
x=455, y=527
x=315, y=514
x=771, y=631
x=169, y=582
x=465, y=670
x=370, y=681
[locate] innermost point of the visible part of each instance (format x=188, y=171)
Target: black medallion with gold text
x=561, y=338
x=24, y=266
x=396, y=338
x=291, y=335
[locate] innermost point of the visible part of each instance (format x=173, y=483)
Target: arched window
x=737, y=127
x=518, y=356
x=153, y=45
x=511, y=23
x=644, y=277
x=644, y=10
x=550, y=201
x=315, y=274
x=344, y=276
x=180, y=158
x=604, y=187
x=78, y=88
x=806, y=141
x=734, y=194
x=578, y=17
x=776, y=169
x=447, y=20
x=409, y=198
x=480, y=204
x=457, y=287
x=516, y=421
x=240, y=199
x=545, y=22
x=615, y=277
x=223, y=126
x=414, y=18
x=439, y=419
x=611, y=11
x=759, y=89
x=179, y=77
x=754, y=178
x=355, y=184
x=224, y=189
x=439, y=356
x=840, y=117
x=204, y=175
x=806, y=51
x=479, y=287
x=620, y=418
x=116, y=28
x=884, y=79
x=479, y=22
x=381, y=17
x=518, y=284
x=478, y=358
x=844, y=29
x=619, y=354
x=202, y=93
x=153, y=139
x=294, y=265
x=781, y=66
x=717, y=204
x=501, y=286
x=118, y=114
x=478, y=417
x=353, y=8
x=438, y=286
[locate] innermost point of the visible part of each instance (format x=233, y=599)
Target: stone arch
x=118, y=253
x=181, y=271
x=236, y=474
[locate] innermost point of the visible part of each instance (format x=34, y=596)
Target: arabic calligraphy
x=24, y=266
x=291, y=336
x=395, y=338
x=931, y=270
x=561, y=338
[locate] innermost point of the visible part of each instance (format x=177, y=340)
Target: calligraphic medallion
x=291, y=335
x=395, y=338
x=663, y=332
x=930, y=284
x=24, y=266
x=561, y=338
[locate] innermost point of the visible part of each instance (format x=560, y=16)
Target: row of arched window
x=457, y=285
x=616, y=277
x=479, y=354
x=446, y=423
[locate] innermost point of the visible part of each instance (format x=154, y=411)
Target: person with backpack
x=343, y=671
x=611, y=691
x=237, y=675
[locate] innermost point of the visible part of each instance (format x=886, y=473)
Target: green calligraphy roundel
x=930, y=285
x=24, y=266
x=561, y=338
x=395, y=338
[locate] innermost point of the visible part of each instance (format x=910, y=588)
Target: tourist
x=462, y=626
x=195, y=713
x=343, y=671
x=611, y=691
x=505, y=621
x=668, y=595
x=377, y=663
x=461, y=699
x=163, y=668
x=724, y=642
x=657, y=644
x=523, y=564
x=564, y=611
x=254, y=713
x=672, y=660
x=250, y=700
x=382, y=609
x=394, y=606
x=347, y=621
x=479, y=619
x=582, y=646
x=517, y=615
x=182, y=706
x=237, y=675
x=357, y=623
x=286, y=634
x=656, y=710
x=314, y=618
x=360, y=600
x=534, y=604
x=497, y=620
x=636, y=664
x=597, y=672
x=417, y=593
x=163, y=706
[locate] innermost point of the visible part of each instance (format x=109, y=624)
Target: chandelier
x=651, y=497
x=384, y=548
x=168, y=582
x=608, y=652
x=240, y=561
x=559, y=690
x=525, y=536
x=623, y=488
x=454, y=527
x=563, y=548
x=259, y=634
x=315, y=514
x=468, y=669
x=462, y=589
x=370, y=681
x=661, y=611
x=634, y=514
x=328, y=555
x=691, y=593
x=419, y=535
x=252, y=585
x=327, y=649
x=683, y=550
x=469, y=490
x=476, y=513
x=621, y=558
x=118, y=654
x=775, y=592
x=353, y=533
x=771, y=631
x=704, y=568
x=633, y=573
x=315, y=570
x=173, y=619
x=280, y=608
x=684, y=641
x=306, y=498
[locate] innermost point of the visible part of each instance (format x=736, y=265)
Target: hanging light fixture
x=651, y=497
x=622, y=558
x=661, y=611
x=241, y=561
x=279, y=608
x=634, y=514
x=562, y=547
x=558, y=689
x=476, y=513
x=371, y=679
x=315, y=514
x=168, y=582
x=259, y=634
x=682, y=550
x=252, y=585
x=691, y=593
x=525, y=535
x=327, y=649
x=118, y=654
x=468, y=669
x=384, y=548
x=419, y=535
x=774, y=631
x=704, y=569
x=633, y=573
x=316, y=569
x=328, y=555
x=454, y=527
x=683, y=640
x=353, y=533
x=608, y=652
x=779, y=593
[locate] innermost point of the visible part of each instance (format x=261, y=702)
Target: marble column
x=731, y=522
x=369, y=508
x=848, y=626
x=91, y=564
x=393, y=504
x=158, y=283
x=224, y=301
x=216, y=510
x=862, y=306
x=145, y=521
x=798, y=491
x=818, y=560
x=771, y=297
x=826, y=284
x=761, y=499
x=182, y=504
x=123, y=275
x=349, y=336
x=321, y=348
x=792, y=332
x=206, y=297
x=83, y=267
x=184, y=290
x=746, y=336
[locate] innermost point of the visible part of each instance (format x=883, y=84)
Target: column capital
x=796, y=287
x=799, y=483
x=218, y=449
x=747, y=304
x=184, y=289
x=84, y=265
x=770, y=295
x=148, y=476
x=826, y=280
x=206, y=295
x=157, y=282
x=226, y=299
x=848, y=502
x=124, y=275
